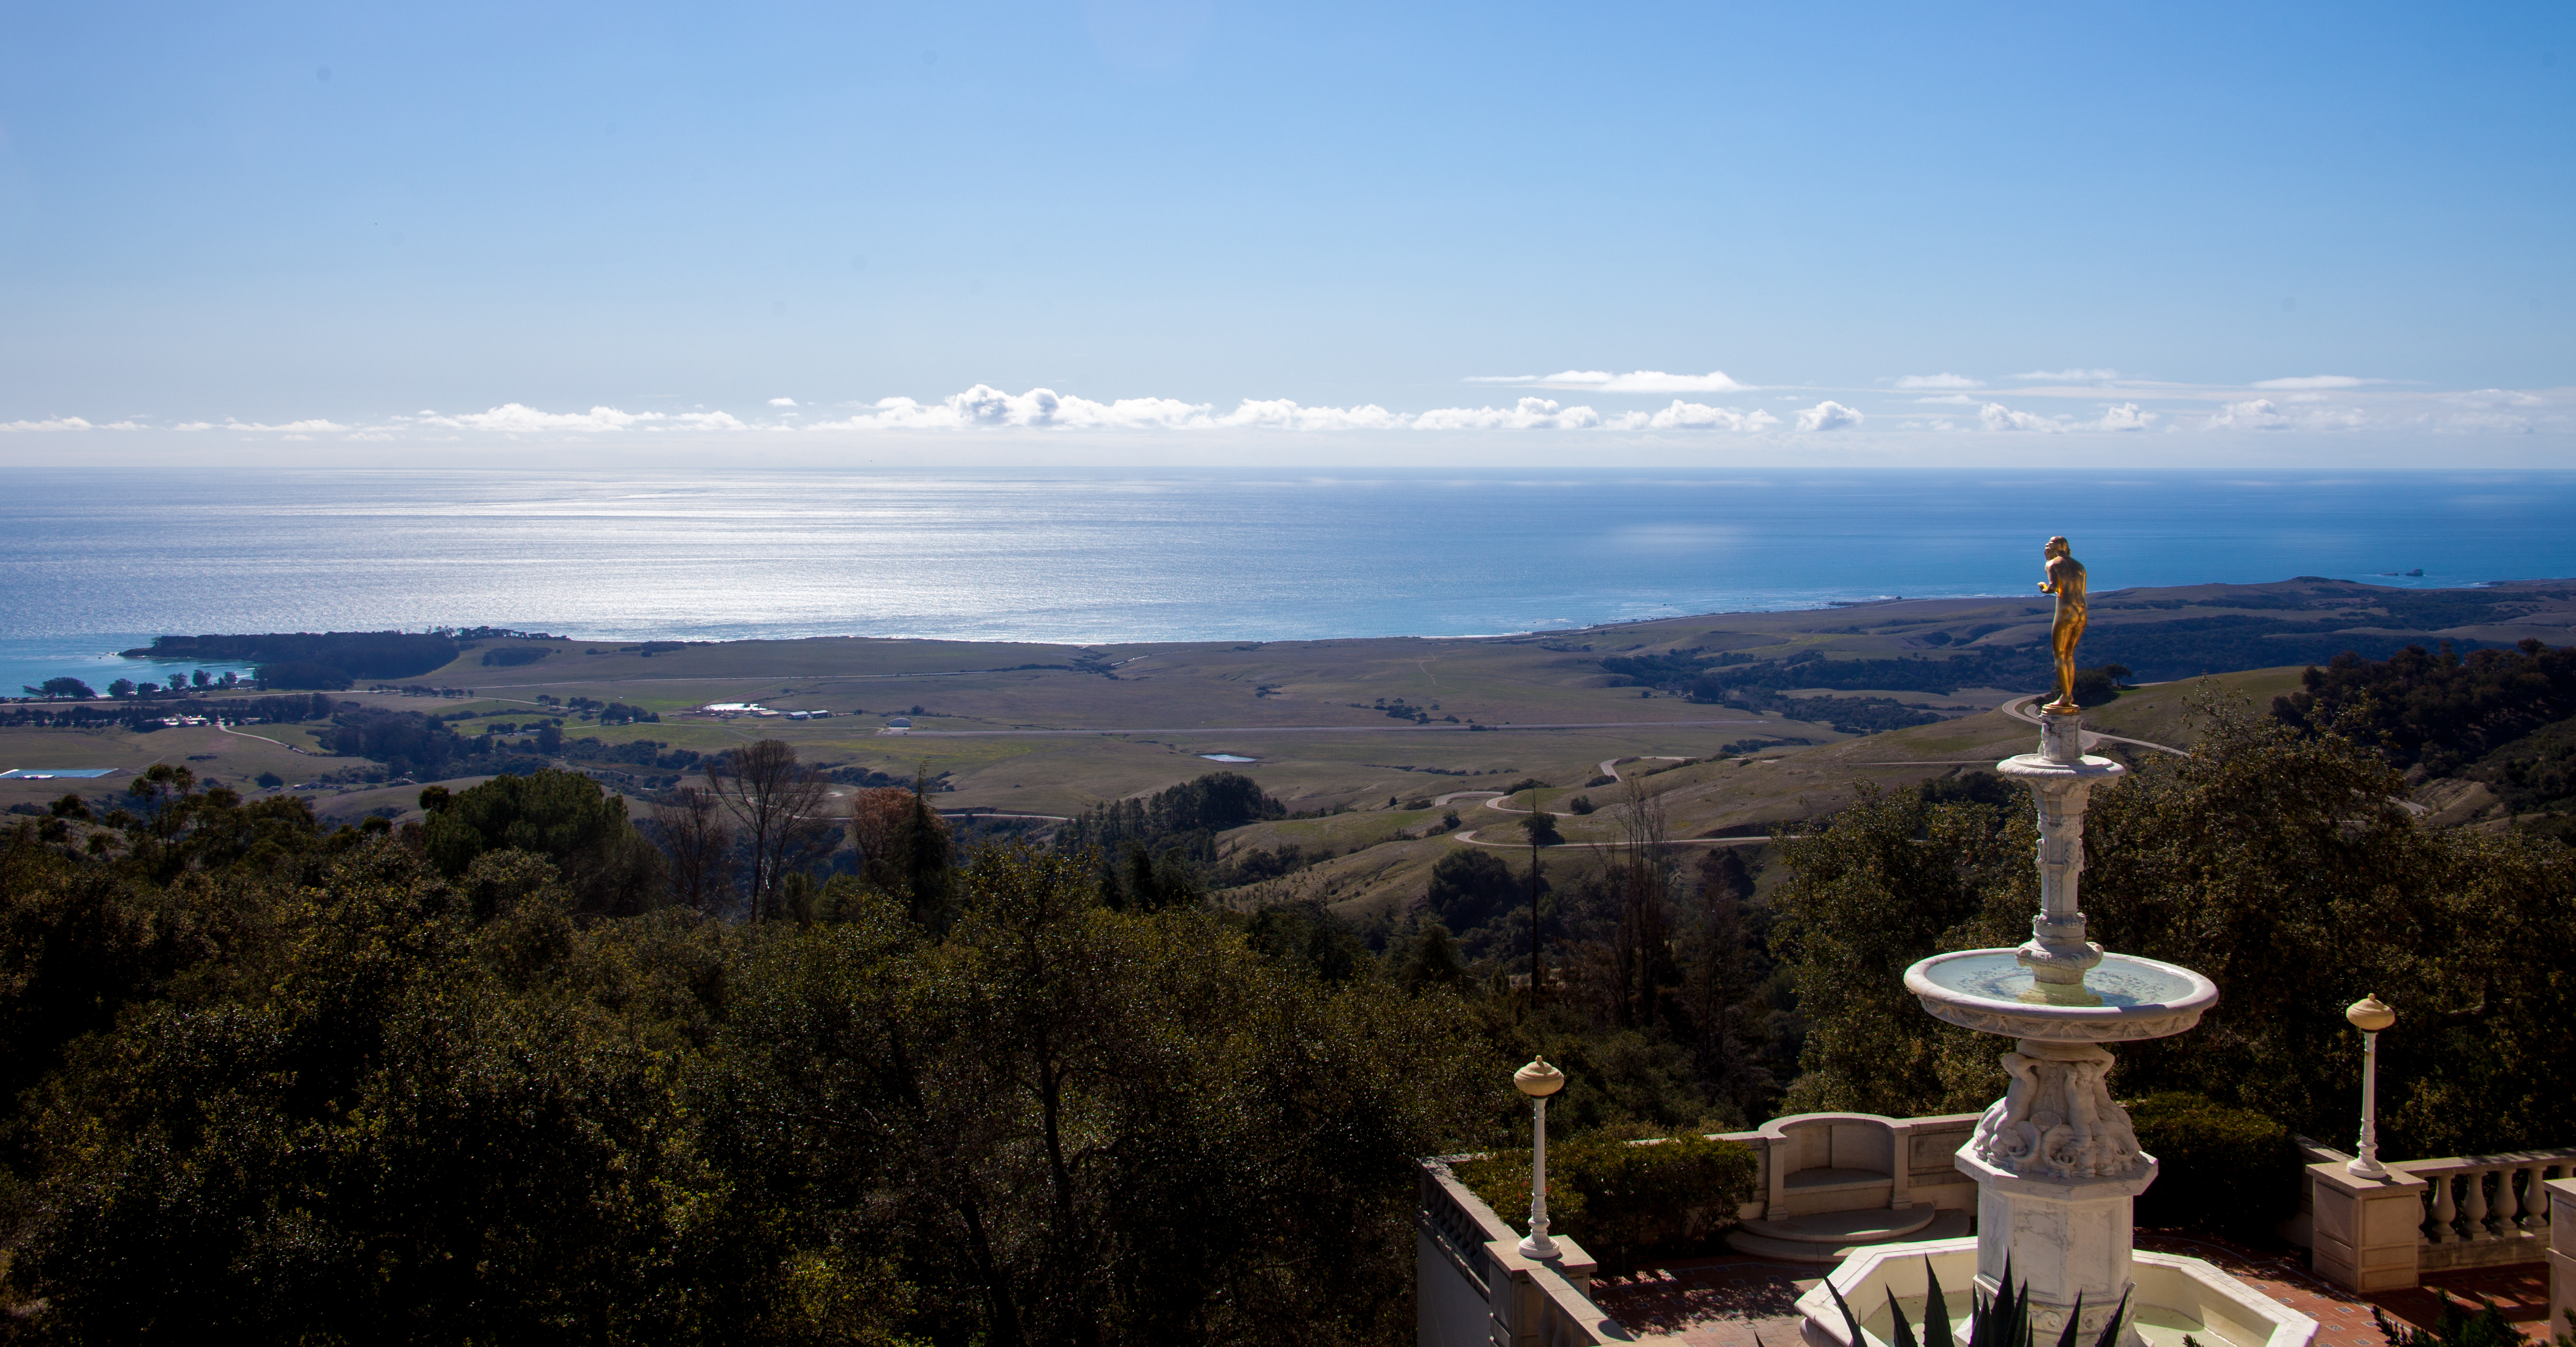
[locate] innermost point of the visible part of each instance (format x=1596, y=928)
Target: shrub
x=2223, y=1168
x=1580, y=804
x=1622, y=1199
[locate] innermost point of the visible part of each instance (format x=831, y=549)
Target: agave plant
x=2002, y=1321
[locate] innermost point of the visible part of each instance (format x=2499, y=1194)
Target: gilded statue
x=2066, y=581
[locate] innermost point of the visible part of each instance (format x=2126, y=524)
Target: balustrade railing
x=2487, y=1209
x=1461, y=1224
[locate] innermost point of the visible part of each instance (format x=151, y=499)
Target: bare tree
x=775, y=800
x=1718, y=983
x=693, y=833
x=1642, y=943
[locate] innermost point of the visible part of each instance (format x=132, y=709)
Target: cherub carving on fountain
x=2059, y=1120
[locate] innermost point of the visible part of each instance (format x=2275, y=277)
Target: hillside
x=1051, y=729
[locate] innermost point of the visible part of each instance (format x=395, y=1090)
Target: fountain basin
x=1985, y=990
x=2174, y=1295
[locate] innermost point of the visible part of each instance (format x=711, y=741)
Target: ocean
x=100, y=560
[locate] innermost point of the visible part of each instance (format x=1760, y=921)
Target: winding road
x=1500, y=803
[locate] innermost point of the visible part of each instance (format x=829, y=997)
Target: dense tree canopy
x=416, y=1084
x=2441, y=709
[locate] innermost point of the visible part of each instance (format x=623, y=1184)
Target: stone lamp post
x=2370, y=1016
x=1538, y=1080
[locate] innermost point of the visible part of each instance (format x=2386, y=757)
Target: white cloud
x=292, y=429
x=782, y=402
x=2496, y=397
x=2259, y=414
x=1938, y=381
x=2126, y=416
x=512, y=418
x=1951, y=400
x=1281, y=414
x=710, y=421
x=984, y=406
x=2070, y=376
x=1828, y=415
x=2314, y=381
x=1635, y=381
x=1530, y=414
x=2497, y=422
x=68, y=423
x=1997, y=416
x=1693, y=416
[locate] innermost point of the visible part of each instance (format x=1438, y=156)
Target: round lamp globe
x=1538, y=1080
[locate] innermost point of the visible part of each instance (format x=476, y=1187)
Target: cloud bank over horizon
x=1922, y=418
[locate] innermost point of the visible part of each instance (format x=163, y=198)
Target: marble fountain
x=2055, y=1160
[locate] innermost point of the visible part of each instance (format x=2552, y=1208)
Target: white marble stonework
x=2061, y=779
x=2065, y=1238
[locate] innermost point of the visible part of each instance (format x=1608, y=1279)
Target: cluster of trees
x=1179, y=823
x=634, y=753
x=83, y=715
x=1661, y=999
x=1847, y=715
x=2437, y=710
x=2277, y=861
x=2180, y=648
x=453, y=1082
x=176, y=685
x=325, y=661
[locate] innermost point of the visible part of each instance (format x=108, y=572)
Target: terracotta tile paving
x=1736, y=1301
x=2343, y=1317
x=1729, y=1301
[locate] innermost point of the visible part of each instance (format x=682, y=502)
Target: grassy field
x=1379, y=868
x=1053, y=729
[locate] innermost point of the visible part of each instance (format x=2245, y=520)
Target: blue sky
x=568, y=230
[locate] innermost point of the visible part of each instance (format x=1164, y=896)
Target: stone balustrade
x=2383, y=1234
x=1474, y=1288
x=2485, y=1210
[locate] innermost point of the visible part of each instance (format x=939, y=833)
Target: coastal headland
x=1740, y=722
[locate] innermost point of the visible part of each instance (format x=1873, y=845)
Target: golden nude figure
x=2066, y=581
